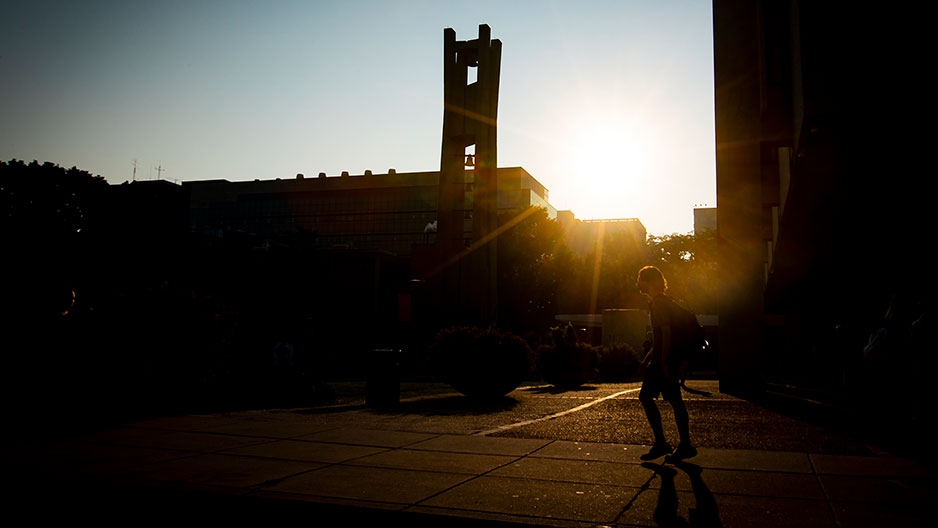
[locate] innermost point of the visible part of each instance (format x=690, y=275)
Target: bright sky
x=609, y=104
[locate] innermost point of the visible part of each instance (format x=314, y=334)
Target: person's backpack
x=690, y=337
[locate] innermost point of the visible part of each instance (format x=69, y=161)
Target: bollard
x=383, y=387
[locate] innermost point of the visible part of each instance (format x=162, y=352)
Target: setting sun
x=608, y=149
x=610, y=155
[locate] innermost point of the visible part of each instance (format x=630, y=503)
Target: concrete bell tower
x=468, y=199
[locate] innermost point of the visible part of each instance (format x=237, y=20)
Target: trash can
x=383, y=387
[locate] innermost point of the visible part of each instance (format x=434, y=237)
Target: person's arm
x=665, y=349
x=648, y=347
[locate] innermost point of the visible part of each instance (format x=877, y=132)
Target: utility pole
x=159, y=170
x=134, y=177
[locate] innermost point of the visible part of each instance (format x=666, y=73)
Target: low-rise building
x=389, y=212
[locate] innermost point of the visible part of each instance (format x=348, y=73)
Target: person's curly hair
x=653, y=275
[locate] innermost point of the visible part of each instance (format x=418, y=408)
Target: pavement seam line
x=552, y=416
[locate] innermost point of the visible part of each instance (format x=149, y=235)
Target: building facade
x=390, y=212
x=822, y=207
x=586, y=236
x=705, y=219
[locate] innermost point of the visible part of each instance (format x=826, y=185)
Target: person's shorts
x=654, y=383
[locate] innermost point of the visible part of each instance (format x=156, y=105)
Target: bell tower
x=468, y=199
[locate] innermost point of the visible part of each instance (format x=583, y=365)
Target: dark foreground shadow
x=705, y=512
x=697, y=392
x=453, y=405
x=555, y=389
x=456, y=405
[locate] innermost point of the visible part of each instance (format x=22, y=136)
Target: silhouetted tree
x=533, y=263
x=611, y=269
x=689, y=262
x=605, y=278
x=46, y=213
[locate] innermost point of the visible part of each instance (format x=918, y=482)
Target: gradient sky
x=609, y=104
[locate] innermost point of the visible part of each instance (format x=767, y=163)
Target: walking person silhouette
x=661, y=366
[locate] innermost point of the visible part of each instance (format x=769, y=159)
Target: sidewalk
x=332, y=469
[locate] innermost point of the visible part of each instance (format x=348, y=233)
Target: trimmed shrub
x=564, y=361
x=618, y=363
x=482, y=363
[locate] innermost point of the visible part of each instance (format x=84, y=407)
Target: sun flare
x=611, y=159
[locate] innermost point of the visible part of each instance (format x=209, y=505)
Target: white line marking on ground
x=552, y=416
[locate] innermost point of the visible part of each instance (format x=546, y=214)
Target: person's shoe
x=683, y=451
x=657, y=449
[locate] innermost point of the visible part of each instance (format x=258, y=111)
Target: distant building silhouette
x=387, y=212
x=583, y=236
x=705, y=219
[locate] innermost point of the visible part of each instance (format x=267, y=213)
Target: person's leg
x=682, y=419
x=654, y=418
x=685, y=449
x=646, y=396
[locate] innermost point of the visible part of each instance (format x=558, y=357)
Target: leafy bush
x=565, y=361
x=618, y=363
x=482, y=363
